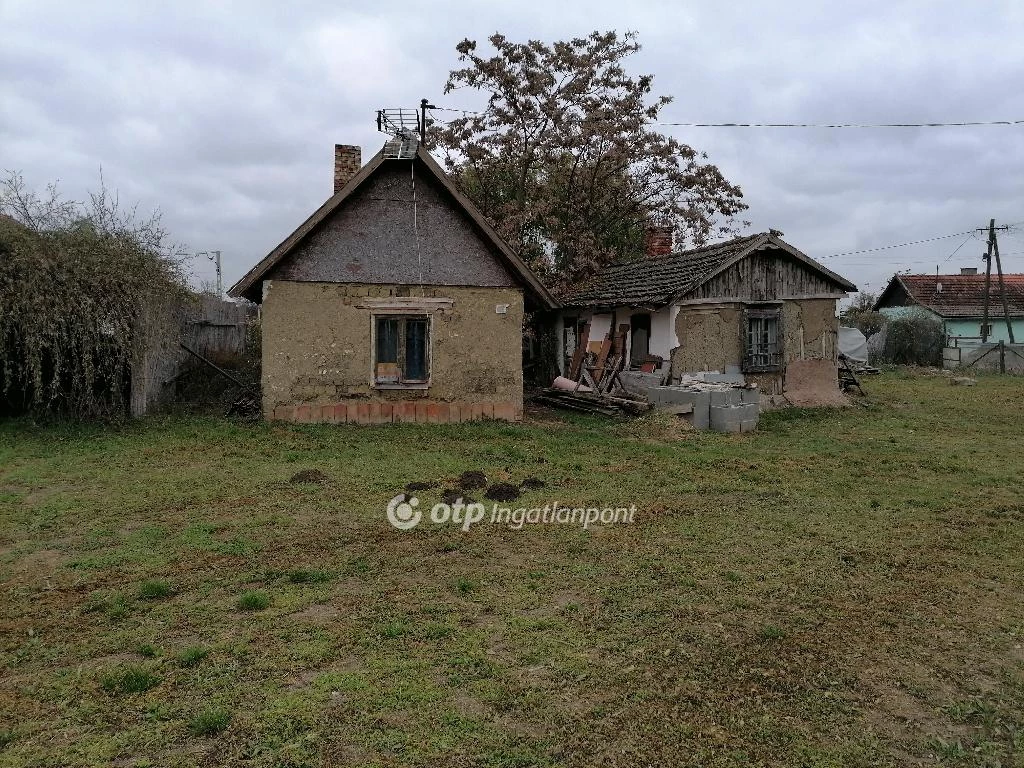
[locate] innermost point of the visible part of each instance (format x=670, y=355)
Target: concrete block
x=638, y=382
x=725, y=378
x=674, y=396
x=731, y=418
x=750, y=396
x=725, y=397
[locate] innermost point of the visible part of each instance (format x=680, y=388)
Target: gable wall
x=767, y=275
x=372, y=238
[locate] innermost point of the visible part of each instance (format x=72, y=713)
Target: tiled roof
x=655, y=281
x=962, y=295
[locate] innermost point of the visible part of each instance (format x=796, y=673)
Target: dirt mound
x=532, y=484
x=502, y=492
x=472, y=479
x=309, y=477
x=452, y=495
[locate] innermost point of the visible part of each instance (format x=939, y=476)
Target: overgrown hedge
x=83, y=289
x=915, y=338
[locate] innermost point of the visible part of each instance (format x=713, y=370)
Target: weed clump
x=209, y=722
x=253, y=601
x=129, y=679
x=154, y=590
x=191, y=657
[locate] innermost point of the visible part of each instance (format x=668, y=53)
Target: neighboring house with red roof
x=958, y=302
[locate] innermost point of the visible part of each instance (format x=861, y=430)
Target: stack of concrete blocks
x=719, y=401
x=735, y=410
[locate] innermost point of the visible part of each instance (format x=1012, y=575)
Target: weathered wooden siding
x=211, y=326
x=768, y=275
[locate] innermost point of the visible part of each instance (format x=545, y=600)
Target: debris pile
x=593, y=384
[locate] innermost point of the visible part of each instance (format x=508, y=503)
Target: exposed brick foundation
x=397, y=412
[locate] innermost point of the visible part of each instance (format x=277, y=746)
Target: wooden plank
x=602, y=357
x=581, y=350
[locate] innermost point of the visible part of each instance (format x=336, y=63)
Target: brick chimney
x=968, y=270
x=658, y=241
x=348, y=159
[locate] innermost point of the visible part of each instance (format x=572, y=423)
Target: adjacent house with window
x=753, y=304
x=394, y=301
x=958, y=302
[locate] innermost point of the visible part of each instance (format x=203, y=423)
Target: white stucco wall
x=663, y=336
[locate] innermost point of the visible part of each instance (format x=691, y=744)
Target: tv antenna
x=407, y=126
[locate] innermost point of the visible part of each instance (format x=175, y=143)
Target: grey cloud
x=224, y=115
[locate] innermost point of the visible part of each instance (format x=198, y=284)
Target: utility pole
x=1002, y=287
x=988, y=281
x=214, y=256
x=993, y=249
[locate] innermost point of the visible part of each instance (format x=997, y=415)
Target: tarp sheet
x=853, y=344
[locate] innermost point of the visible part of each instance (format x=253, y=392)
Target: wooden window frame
x=401, y=350
x=762, y=357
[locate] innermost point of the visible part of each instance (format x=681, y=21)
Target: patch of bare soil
x=317, y=613
x=309, y=477
x=472, y=479
x=502, y=492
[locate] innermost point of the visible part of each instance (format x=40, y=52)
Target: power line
x=900, y=245
x=951, y=124
x=965, y=242
x=848, y=125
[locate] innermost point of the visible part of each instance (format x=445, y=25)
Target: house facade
x=753, y=305
x=394, y=301
x=958, y=302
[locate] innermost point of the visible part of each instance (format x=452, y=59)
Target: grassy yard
x=841, y=588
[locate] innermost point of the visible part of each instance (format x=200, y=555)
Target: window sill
x=418, y=385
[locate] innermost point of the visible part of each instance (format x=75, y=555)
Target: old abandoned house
x=753, y=305
x=394, y=301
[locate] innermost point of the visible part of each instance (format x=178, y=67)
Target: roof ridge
x=640, y=257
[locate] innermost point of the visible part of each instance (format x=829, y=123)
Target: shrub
x=914, y=338
x=253, y=601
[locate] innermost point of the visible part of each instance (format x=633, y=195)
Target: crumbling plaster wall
x=711, y=338
x=810, y=329
x=317, y=344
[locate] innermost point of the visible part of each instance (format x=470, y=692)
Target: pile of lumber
x=595, y=373
x=591, y=402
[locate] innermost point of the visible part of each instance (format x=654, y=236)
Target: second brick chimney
x=348, y=159
x=658, y=241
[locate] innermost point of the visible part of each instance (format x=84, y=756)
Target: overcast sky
x=224, y=115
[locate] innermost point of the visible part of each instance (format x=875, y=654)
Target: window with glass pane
x=402, y=350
